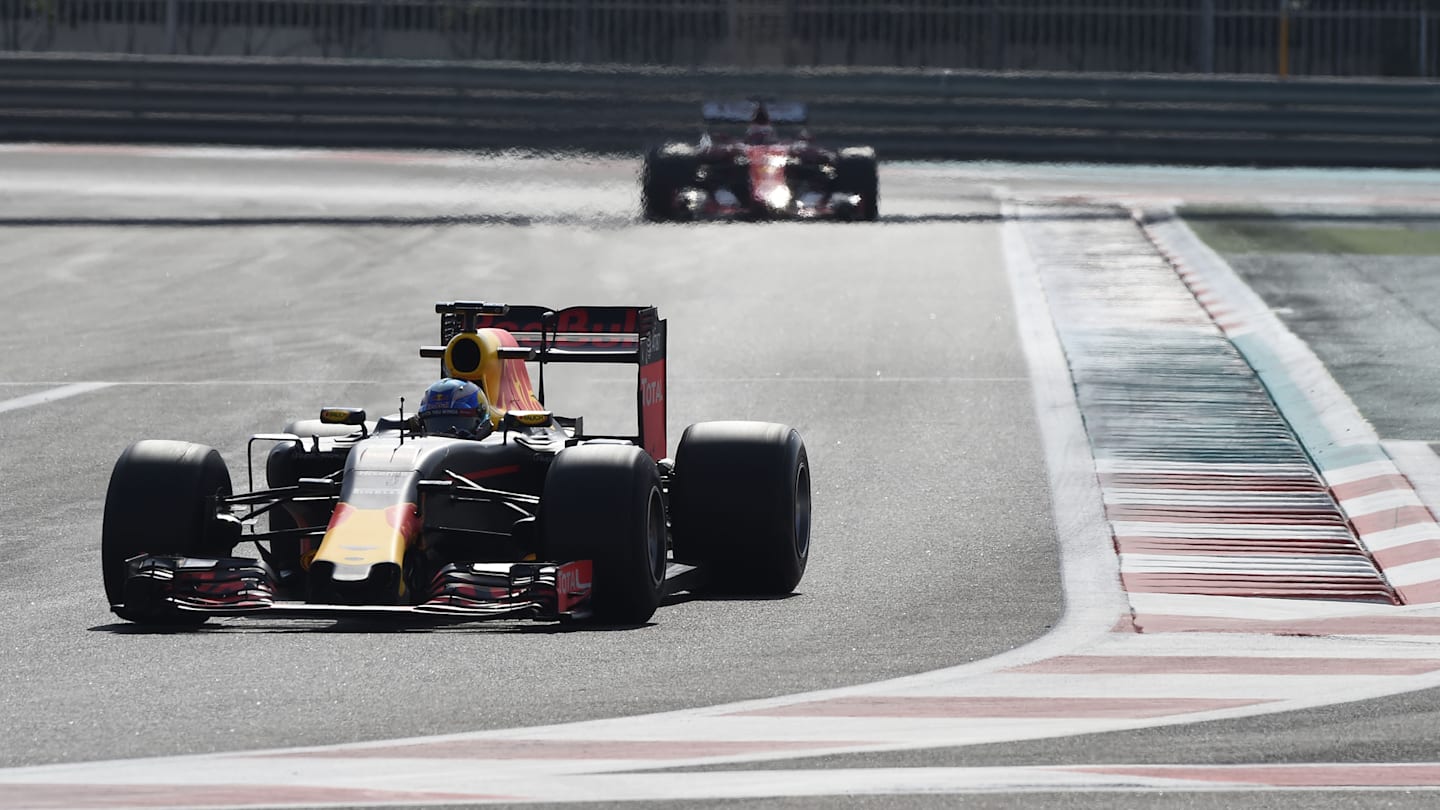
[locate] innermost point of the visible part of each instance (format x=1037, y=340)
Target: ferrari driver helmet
x=455, y=408
x=760, y=131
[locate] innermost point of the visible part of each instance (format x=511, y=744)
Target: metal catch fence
x=1265, y=37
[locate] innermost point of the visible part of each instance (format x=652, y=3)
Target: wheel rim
x=655, y=537
x=802, y=511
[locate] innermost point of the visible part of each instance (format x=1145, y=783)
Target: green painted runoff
x=1232, y=231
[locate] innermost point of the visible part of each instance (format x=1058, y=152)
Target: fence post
x=1207, y=36
x=732, y=24
x=172, y=26
x=1423, y=66
x=997, y=37
x=582, y=32
x=787, y=32
x=1283, y=68
x=377, y=24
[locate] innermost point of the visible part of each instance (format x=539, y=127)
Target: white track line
x=1090, y=570
x=42, y=397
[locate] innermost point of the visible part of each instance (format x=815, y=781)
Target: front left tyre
x=161, y=500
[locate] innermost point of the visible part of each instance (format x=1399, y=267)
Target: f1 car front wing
x=161, y=586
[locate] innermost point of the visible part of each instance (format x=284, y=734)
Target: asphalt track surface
x=933, y=541
x=227, y=295
x=1373, y=318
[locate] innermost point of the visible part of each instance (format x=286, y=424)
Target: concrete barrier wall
x=903, y=113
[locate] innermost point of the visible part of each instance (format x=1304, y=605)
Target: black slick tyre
x=740, y=506
x=603, y=503
x=160, y=501
x=667, y=170
x=857, y=172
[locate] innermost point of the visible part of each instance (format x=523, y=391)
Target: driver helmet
x=455, y=408
x=760, y=132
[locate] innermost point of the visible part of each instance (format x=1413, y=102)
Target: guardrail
x=903, y=113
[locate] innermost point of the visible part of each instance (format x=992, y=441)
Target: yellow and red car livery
x=534, y=518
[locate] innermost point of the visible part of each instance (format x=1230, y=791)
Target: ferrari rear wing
x=627, y=335
x=743, y=112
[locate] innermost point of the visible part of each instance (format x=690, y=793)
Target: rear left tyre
x=161, y=500
x=603, y=503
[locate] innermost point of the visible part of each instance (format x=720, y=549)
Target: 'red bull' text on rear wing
x=573, y=335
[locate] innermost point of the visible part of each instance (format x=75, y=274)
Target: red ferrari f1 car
x=484, y=504
x=760, y=175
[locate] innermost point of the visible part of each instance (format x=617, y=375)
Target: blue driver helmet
x=455, y=408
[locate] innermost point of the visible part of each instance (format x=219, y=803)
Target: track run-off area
x=1115, y=504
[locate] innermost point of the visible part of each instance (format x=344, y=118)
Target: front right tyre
x=161, y=500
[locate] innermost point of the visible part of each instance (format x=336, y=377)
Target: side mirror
x=519, y=420
x=342, y=416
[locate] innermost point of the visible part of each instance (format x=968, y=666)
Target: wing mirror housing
x=342, y=416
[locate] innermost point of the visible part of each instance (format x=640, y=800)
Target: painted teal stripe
x=1328, y=451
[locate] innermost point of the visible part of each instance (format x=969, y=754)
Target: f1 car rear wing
x=575, y=335
x=743, y=112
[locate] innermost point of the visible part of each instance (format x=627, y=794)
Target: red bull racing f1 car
x=759, y=175
x=484, y=504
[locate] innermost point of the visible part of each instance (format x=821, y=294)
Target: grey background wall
x=905, y=113
x=1261, y=37
x=1266, y=82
